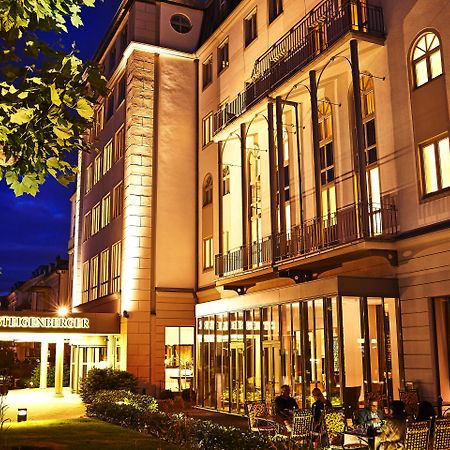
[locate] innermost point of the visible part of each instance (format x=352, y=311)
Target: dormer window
x=181, y=23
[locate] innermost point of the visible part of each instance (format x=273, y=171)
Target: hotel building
x=270, y=179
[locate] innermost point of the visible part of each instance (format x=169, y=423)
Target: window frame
x=207, y=129
x=207, y=190
x=89, y=178
x=119, y=138
x=207, y=71
x=107, y=157
x=97, y=170
x=117, y=200
x=95, y=219
x=250, y=26
x=121, y=90
x=207, y=263
x=93, y=278
x=104, y=273
x=274, y=9
x=105, y=211
x=223, y=56
x=116, y=267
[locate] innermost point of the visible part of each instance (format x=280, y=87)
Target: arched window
x=207, y=190
x=225, y=180
x=426, y=59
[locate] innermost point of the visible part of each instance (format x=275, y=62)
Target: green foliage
x=45, y=108
x=36, y=376
x=106, y=379
x=141, y=402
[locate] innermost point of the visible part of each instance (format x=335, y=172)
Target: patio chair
x=417, y=435
x=259, y=418
x=302, y=425
x=441, y=435
x=410, y=398
x=335, y=426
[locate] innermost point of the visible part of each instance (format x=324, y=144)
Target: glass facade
x=329, y=342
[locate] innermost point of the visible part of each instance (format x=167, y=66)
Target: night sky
x=34, y=230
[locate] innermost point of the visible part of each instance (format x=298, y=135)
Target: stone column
x=59, y=366
x=44, y=363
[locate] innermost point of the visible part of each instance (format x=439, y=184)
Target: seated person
x=320, y=402
x=371, y=416
x=393, y=432
x=284, y=407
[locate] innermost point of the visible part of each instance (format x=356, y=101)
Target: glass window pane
x=444, y=161
x=420, y=48
x=421, y=72
x=253, y=355
x=370, y=127
x=436, y=64
x=432, y=41
x=429, y=168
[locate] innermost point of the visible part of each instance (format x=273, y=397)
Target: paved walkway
x=42, y=404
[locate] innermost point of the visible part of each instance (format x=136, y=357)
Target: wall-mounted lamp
x=125, y=314
x=22, y=414
x=63, y=311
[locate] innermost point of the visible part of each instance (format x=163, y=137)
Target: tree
x=46, y=94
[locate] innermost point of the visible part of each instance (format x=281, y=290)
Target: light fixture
x=63, y=311
x=22, y=414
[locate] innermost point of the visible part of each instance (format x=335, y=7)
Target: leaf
x=53, y=162
x=65, y=180
x=62, y=132
x=84, y=108
x=22, y=115
x=76, y=20
x=54, y=94
x=22, y=95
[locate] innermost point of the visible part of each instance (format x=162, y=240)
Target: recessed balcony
x=315, y=33
x=352, y=232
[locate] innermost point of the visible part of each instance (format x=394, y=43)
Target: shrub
x=141, y=402
x=36, y=376
x=166, y=394
x=106, y=379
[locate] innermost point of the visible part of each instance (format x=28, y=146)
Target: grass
x=76, y=434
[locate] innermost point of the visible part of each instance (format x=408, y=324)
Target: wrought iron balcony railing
x=315, y=33
x=342, y=227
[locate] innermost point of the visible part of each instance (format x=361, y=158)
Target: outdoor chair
x=259, y=418
x=417, y=434
x=410, y=398
x=335, y=426
x=441, y=435
x=302, y=423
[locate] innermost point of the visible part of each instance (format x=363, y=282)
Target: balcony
x=310, y=245
x=316, y=32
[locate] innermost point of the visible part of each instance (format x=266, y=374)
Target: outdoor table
x=362, y=434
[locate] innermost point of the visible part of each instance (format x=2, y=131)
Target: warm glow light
x=63, y=311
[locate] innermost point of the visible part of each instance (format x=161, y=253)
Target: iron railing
x=315, y=33
x=342, y=227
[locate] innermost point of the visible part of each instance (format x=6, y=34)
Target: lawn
x=71, y=434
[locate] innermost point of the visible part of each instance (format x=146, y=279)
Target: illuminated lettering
x=44, y=322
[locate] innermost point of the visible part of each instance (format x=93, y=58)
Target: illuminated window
x=254, y=169
x=94, y=278
x=222, y=56
x=207, y=190
x=98, y=120
x=208, y=255
x=119, y=144
x=109, y=106
x=87, y=226
x=106, y=210
x=104, y=272
x=85, y=282
x=95, y=215
x=207, y=127
x=435, y=159
x=107, y=156
x=426, y=59
x=89, y=178
x=117, y=200
x=121, y=90
x=116, y=261
x=275, y=9
x=181, y=23
x=97, y=168
x=250, y=32
x=225, y=180
x=368, y=115
x=207, y=72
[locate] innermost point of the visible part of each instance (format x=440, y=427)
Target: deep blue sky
x=33, y=231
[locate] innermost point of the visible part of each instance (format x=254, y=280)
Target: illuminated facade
x=276, y=175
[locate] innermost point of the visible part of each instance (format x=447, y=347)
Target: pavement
x=42, y=404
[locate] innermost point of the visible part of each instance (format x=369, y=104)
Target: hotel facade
x=267, y=199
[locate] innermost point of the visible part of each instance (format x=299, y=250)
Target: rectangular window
x=109, y=106
x=207, y=72
x=104, y=272
x=94, y=278
x=435, y=158
x=107, y=157
x=95, y=215
x=250, y=32
x=87, y=226
x=112, y=59
x=123, y=38
x=106, y=210
x=98, y=120
x=275, y=9
x=116, y=260
x=97, y=168
x=89, y=178
x=208, y=255
x=119, y=144
x=207, y=128
x=117, y=203
x=85, y=283
x=222, y=56
x=121, y=89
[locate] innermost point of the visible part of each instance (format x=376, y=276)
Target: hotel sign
x=44, y=322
